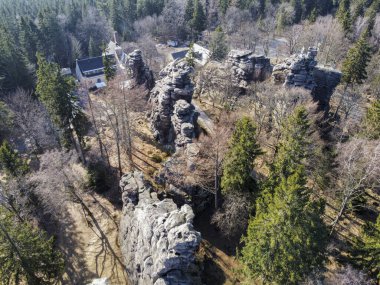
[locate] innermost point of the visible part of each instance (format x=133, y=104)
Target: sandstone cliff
x=158, y=241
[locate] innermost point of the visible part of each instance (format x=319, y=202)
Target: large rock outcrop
x=158, y=241
x=246, y=67
x=139, y=70
x=301, y=70
x=297, y=70
x=173, y=116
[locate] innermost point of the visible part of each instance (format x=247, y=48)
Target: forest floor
x=90, y=242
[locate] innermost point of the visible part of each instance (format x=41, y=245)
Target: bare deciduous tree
x=232, y=217
x=359, y=169
x=350, y=276
x=60, y=179
x=30, y=116
x=207, y=165
x=293, y=35
x=115, y=109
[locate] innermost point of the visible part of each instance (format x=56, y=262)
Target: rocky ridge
x=157, y=239
x=173, y=117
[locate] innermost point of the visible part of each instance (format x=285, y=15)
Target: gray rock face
x=247, y=67
x=173, y=116
x=301, y=70
x=298, y=70
x=140, y=72
x=157, y=239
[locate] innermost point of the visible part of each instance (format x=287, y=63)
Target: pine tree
x=28, y=37
x=287, y=238
x=294, y=146
x=11, y=162
x=52, y=36
x=27, y=255
x=93, y=50
x=223, y=5
x=368, y=248
x=14, y=71
x=56, y=93
x=199, y=20
x=117, y=12
x=189, y=11
x=296, y=4
x=356, y=61
x=218, y=46
x=109, y=70
x=372, y=121
x=239, y=160
x=190, y=56
x=344, y=15
x=355, y=65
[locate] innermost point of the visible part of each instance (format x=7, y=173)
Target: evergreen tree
x=287, y=238
x=218, y=46
x=11, y=162
x=189, y=11
x=223, y=5
x=190, y=56
x=344, y=15
x=199, y=20
x=52, y=36
x=297, y=10
x=354, y=65
x=372, y=121
x=294, y=146
x=239, y=160
x=356, y=61
x=109, y=70
x=56, y=93
x=117, y=12
x=14, y=71
x=28, y=37
x=368, y=248
x=93, y=49
x=27, y=255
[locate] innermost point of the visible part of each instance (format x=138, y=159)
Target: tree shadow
x=212, y=273
x=212, y=234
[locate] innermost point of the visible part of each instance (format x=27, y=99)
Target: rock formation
x=158, y=241
x=139, y=71
x=301, y=70
x=247, y=67
x=297, y=70
x=173, y=116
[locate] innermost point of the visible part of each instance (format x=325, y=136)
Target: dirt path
x=90, y=243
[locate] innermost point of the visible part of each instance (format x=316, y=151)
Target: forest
x=190, y=142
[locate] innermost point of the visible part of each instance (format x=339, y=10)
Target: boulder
x=158, y=241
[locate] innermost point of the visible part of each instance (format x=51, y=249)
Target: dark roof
x=179, y=54
x=92, y=63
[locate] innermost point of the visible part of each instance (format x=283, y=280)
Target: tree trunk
x=95, y=126
x=24, y=264
x=340, y=101
x=216, y=177
x=340, y=214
